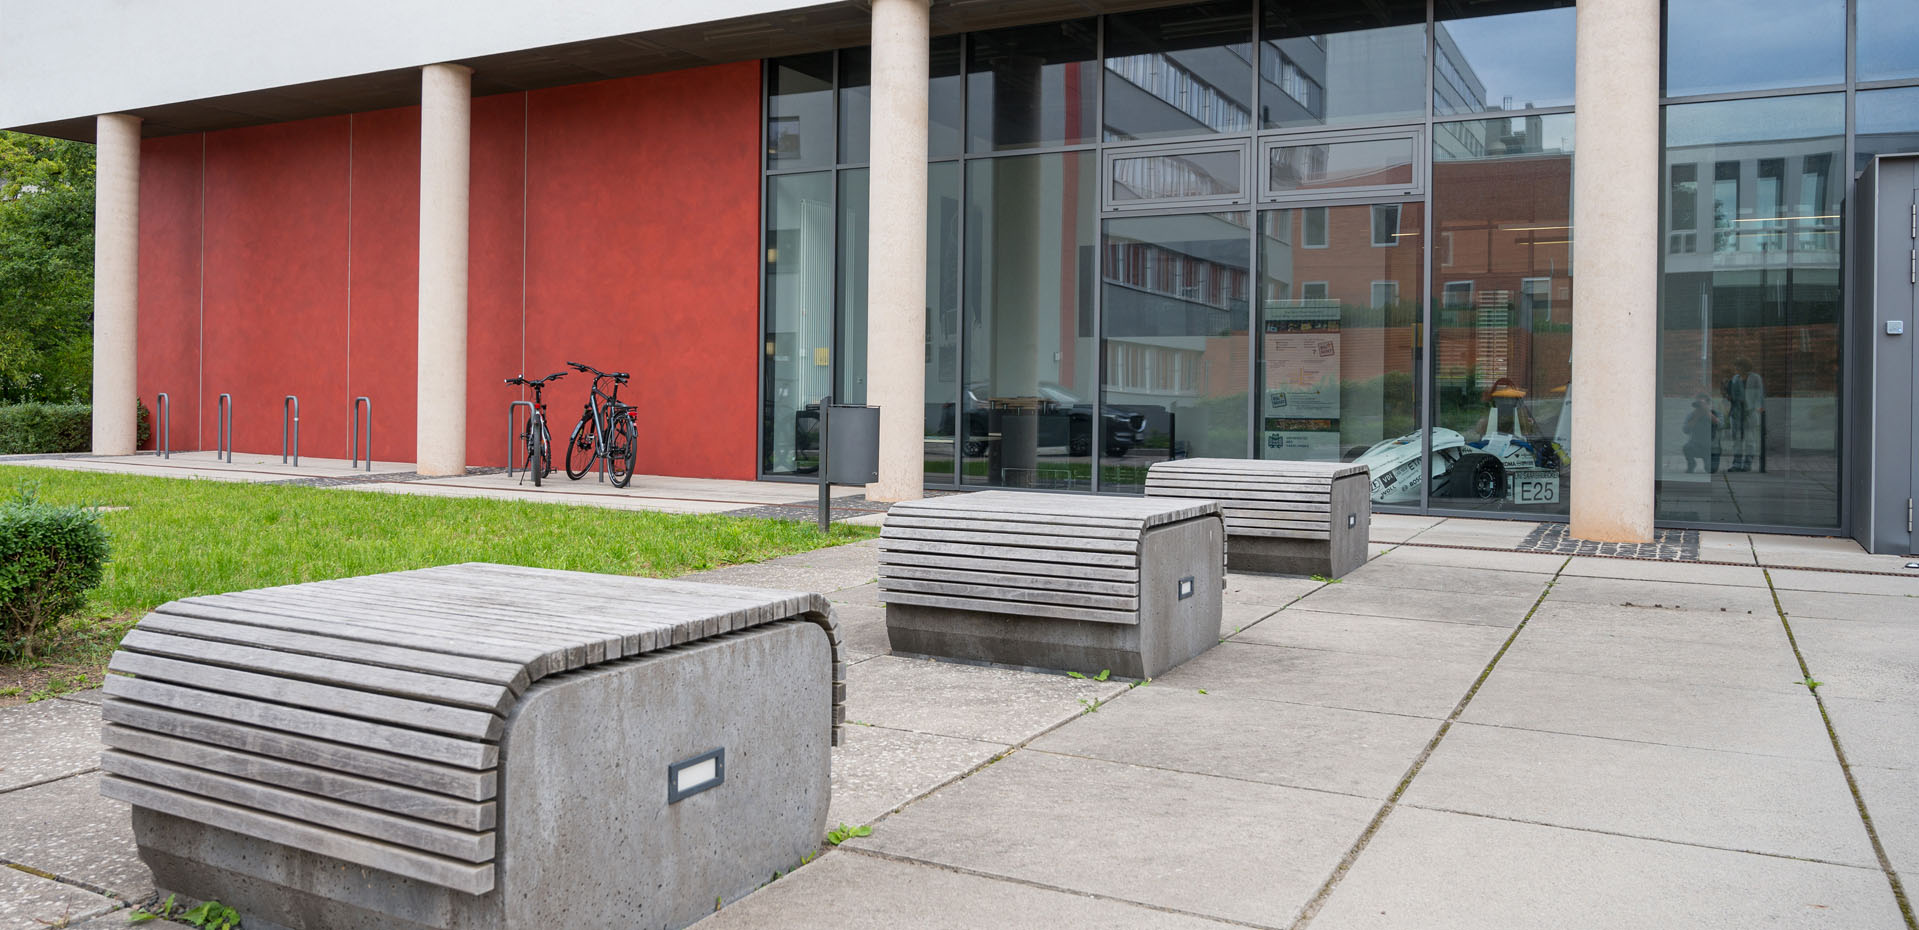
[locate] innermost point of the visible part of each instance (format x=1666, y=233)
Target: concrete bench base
x=1170, y=630
x=585, y=836
x=1275, y=555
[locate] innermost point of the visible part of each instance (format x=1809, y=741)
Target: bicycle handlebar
x=619, y=376
x=522, y=379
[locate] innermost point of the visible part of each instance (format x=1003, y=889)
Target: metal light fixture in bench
x=1053, y=581
x=476, y=746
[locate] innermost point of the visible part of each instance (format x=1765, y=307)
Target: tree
x=46, y=269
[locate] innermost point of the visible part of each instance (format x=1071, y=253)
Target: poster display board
x=1299, y=406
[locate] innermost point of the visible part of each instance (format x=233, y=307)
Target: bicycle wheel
x=544, y=440
x=582, y=448
x=622, y=449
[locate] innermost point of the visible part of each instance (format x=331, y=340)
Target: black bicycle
x=538, y=442
x=606, y=428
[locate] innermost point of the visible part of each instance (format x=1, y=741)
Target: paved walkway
x=1459, y=734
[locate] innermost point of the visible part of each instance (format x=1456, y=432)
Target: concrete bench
x=476, y=746
x=1304, y=518
x=1053, y=581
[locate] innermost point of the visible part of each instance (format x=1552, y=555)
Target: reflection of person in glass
x=1702, y=435
x=1745, y=414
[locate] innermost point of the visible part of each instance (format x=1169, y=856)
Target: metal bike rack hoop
x=531, y=412
x=164, y=410
x=224, y=419
x=290, y=417
x=353, y=433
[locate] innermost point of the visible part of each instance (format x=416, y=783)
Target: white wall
x=75, y=58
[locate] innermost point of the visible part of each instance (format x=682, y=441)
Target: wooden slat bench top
x=1025, y=554
x=1254, y=468
x=359, y=718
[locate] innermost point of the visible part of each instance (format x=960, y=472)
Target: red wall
x=614, y=223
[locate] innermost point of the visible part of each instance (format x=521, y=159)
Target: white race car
x=1499, y=466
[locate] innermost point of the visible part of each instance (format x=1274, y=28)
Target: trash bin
x=853, y=444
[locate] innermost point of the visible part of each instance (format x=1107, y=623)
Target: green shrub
x=50, y=556
x=51, y=429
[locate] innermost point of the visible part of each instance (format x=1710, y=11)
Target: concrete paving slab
x=1236, y=617
x=1772, y=723
x=1397, y=527
x=1510, y=529
x=1822, y=552
x=1726, y=547
x=1384, y=684
x=1759, y=665
x=1877, y=733
x=876, y=769
x=88, y=696
x=821, y=570
x=1539, y=563
x=1269, y=590
x=868, y=593
x=1623, y=591
x=29, y=902
x=1671, y=623
x=965, y=701
x=1785, y=807
x=849, y=891
x=1326, y=748
x=1204, y=845
x=66, y=828
x=46, y=740
x=1831, y=606
x=1375, y=601
x=1793, y=579
x=1448, y=578
x=1892, y=798
x=863, y=628
x=1427, y=870
x=1861, y=659
x=118, y=920
x=1383, y=636
x=1648, y=570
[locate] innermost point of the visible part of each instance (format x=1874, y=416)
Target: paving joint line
x=107, y=893
x=1633, y=558
x=1845, y=766
x=1650, y=839
x=1232, y=778
x=1319, y=898
x=1074, y=892
x=48, y=781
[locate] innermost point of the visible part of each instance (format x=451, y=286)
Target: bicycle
x=607, y=428
x=539, y=442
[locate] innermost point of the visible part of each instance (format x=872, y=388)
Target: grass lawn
x=175, y=538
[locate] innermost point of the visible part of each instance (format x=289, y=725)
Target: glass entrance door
x=1338, y=319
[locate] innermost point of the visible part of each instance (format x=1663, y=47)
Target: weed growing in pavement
x=842, y=833
x=207, y=915
x=1104, y=674
x=1325, y=580
x=1810, y=684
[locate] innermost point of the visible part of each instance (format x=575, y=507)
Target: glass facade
x=1756, y=180
x=1203, y=231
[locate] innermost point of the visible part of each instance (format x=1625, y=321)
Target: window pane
x=1337, y=353
x=1503, y=55
x=799, y=317
x=1502, y=358
x=1721, y=46
x=1028, y=402
x=1328, y=166
x=799, y=111
x=1138, y=178
x=849, y=356
x=942, y=104
x=1326, y=64
x=1179, y=72
x=1888, y=123
x=1749, y=338
x=1032, y=86
x=1174, y=291
x=942, y=319
x=1888, y=40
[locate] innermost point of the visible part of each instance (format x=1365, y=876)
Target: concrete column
x=896, y=247
x=116, y=283
x=1616, y=272
x=446, y=99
